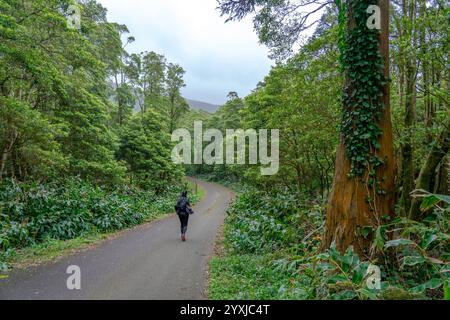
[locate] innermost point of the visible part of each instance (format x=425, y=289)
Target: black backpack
x=182, y=205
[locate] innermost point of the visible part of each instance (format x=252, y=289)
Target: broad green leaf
x=413, y=260
x=431, y=284
x=428, y=239
x=378, y=242
x=433, y=199
x=369, y=294
x=398, y=242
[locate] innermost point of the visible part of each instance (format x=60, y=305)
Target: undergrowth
x=34, y=214
x=272, y=251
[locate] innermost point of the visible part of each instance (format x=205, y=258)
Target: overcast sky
x=217, y=57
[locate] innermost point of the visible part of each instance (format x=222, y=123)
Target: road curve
x=149, y=262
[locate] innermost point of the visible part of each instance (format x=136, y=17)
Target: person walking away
x=183, y=209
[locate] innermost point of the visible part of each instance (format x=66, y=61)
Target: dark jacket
x=183, y=205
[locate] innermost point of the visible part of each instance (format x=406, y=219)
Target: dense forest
x=378, y=195
x=363, y=114
x=76, y=157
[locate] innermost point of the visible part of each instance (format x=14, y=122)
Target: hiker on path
x=183, y=209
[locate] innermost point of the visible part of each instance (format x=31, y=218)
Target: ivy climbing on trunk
x=363, y=188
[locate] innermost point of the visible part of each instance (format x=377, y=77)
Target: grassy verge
x=244, y=274
x=249, y=277
x=52, y=249
x=200, y=191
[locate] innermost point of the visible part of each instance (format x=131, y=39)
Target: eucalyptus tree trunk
x=410, y=69
x=348, y=210
x=426, y=79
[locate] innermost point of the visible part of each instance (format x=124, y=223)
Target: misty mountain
x=199, y=105
x=193, y=104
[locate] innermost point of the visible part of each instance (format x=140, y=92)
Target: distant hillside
x=199, y=105
x=194, y=104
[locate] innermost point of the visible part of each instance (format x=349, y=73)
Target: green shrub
x=32, y=213
x=261, y=222
x=274, y=252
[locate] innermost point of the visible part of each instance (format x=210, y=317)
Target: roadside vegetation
x=273, y=251
x=84, y=129
x=343, y=202
x=38, y=221
x=364, y=120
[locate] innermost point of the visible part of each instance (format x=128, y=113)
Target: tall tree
x=123, y=91
x=363, y=187
x=177, y=105
x=56, y=76
x=154, y=67
x=420, y=49
x=146, y=148
x=147, y=76
x=405, y=23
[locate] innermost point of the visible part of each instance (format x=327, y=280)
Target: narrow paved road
x=149, y=262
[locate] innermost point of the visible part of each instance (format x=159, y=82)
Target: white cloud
x=217, y=57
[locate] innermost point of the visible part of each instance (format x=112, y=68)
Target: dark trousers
x=184, y=219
